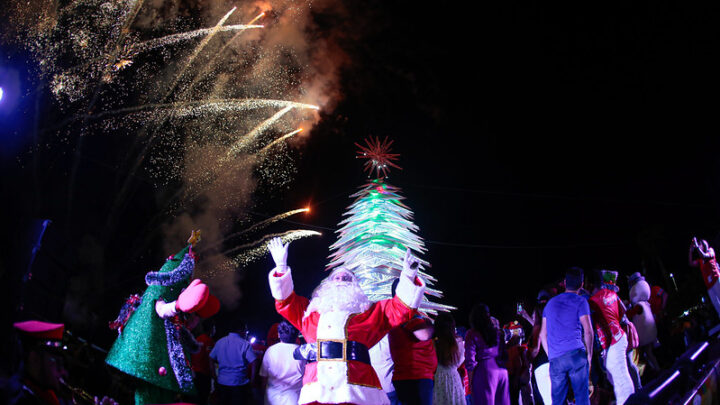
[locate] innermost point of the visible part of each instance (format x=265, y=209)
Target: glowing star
x=379, y=157
x=195, y=237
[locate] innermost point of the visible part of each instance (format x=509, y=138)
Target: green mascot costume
x=153, y=344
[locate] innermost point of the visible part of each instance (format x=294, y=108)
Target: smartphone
x=519, y=308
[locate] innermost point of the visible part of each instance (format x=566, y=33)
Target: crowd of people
x=584, y=341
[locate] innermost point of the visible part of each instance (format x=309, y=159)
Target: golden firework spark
x=186, y=36
x=277, y=141
x=256, y=250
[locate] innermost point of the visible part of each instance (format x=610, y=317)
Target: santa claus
x=340, y=324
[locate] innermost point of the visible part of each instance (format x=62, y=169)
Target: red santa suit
x=343, y=380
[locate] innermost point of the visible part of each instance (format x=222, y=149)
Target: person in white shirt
x=382, y=362
x=281, y=373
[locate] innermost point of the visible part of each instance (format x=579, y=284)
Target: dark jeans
x=234, y=394
x=392, y=396
x=571, y=367
x=412, y=392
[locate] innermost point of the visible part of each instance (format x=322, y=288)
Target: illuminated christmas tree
x=377, y=231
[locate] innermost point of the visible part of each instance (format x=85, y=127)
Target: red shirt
x=606, y=314
x=200, y=361
x=658, y=299
x=465, y=379
x=710, y=272
x=414, y=359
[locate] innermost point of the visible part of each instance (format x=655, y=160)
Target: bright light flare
x=1, y=93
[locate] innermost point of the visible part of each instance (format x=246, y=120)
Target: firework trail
x=202, y=108
x=243, y=144
x=197, y=51
x=185, y=109
x=263, y=224
x=277, y=141
x=259, y=16
x=258, y=249
x=185, y=36
x=208, y=66
x=260, y=225
x=248, y=140
x=178, y=77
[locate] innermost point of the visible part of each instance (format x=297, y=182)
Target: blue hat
x=634, y=278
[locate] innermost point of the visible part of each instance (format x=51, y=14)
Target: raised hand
x=700, y=251
x=278, y=251
x=410, y=264
x=707, y=252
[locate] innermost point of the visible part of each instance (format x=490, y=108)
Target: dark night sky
x=533, y=137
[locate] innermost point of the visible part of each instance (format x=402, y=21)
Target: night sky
x=533, y=137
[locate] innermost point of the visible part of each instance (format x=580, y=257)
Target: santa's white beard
x=338, y=296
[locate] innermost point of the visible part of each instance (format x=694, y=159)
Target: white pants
x=714, y=293
x=542, y=378
x=616, y=365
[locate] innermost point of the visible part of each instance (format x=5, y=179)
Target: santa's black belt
x=332, y=350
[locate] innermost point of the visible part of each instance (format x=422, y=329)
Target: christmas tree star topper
x=379, y=157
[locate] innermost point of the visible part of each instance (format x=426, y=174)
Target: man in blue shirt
x=567, y=337
x=234, y=356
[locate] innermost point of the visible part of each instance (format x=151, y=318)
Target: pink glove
x=193, y=297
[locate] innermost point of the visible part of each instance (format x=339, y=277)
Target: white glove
x=165, y=310
x=411, y=264
x=279, y=252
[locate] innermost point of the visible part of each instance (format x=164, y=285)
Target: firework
x=193, y=141
x=248, y=140
x=269, y=146
x=197, y=51
x=201, y=108
x=185, y=36
x=259, y=16
x=378, y=156
x=258, y=249
x=262, y=224
x=208, y=66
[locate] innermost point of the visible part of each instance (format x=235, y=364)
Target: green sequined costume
x=141, y=350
